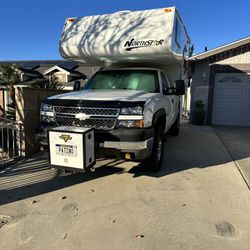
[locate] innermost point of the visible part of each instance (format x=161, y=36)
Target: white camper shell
x=156, y=36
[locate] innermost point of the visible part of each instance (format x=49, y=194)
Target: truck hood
x=105, y=95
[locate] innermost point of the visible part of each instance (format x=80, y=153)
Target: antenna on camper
x=206, y=49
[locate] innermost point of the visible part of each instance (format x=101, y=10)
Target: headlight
x=47, y=107
x=47, y=113
x=132, y=111
x=47, y=119
x=130, y=123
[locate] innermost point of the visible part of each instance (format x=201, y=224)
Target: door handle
x=172, y=100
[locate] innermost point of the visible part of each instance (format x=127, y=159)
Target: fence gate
x=10, y=141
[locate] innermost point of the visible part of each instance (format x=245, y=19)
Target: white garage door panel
x=225, y=120
x=229, y=92
x=247, y=117
x=232, y=109
x=231, y=104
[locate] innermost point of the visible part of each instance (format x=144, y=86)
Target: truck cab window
x=165, y=83
x=125, y=79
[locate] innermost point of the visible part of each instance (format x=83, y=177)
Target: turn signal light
x=130, y=124
x=140, y=123
x=127, y=156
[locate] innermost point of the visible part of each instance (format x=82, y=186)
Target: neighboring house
x=66, y=73
x=29, y=74
x=65, y=76
x=221, y=79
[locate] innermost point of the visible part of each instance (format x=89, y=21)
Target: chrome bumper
x=147, y=144
x=140, y=150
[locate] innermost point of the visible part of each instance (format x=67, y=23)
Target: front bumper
x=114, y=143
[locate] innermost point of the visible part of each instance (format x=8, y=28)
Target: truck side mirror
x=169, y=91
x=180, y=87
x=77, y=86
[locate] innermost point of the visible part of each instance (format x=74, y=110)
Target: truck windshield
x=146, y=80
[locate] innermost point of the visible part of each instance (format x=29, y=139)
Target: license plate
x=66, y=150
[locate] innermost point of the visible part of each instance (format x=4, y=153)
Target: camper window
x=179, y=33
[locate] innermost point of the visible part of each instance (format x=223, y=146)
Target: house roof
x=68, y=71
x=42, y=68
x=87, y=71
x=72, y=71
x=30, y=71
x=55, y=68
x=32, y=63
x=221, y=49
x=76, y=69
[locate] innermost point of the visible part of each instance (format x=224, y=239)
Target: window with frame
x=165, y=83
x=133, y=79
x=179, y=33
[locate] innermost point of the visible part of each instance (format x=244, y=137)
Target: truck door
x=169, y=102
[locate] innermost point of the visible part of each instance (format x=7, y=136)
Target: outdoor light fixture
x=204, y=76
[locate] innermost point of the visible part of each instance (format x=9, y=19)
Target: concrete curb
x=235, y=162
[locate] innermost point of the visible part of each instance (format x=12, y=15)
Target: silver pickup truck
x=130, y=109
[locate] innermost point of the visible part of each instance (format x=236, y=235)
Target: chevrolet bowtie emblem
x=82, y=116
x=65, y=137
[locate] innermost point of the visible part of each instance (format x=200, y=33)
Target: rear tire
x=154, y=162
x=175, y=129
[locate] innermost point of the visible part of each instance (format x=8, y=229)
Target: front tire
x=175, y=129
x=154, y=162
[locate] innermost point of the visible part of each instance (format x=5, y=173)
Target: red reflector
x=167, y=10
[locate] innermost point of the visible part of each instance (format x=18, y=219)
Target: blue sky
x=30, y=30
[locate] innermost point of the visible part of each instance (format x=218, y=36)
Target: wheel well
x=162, y=121
x=160, y=118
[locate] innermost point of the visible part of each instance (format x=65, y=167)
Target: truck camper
x=133, y=100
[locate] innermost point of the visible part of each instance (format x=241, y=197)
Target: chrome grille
x=107, y=112
x=97, y=123
x=101, y=118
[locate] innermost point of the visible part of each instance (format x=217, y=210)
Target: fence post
x=19, y=138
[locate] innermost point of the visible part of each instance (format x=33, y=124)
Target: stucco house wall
x=200, y=85
x=233, y=60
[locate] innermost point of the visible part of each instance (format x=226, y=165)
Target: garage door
x=231, y=103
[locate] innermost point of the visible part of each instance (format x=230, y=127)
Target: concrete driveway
x=237, y=142
x=199, y=200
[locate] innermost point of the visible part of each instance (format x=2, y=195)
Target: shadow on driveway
x=237, y=141
x=195, y=147
x=34, y=177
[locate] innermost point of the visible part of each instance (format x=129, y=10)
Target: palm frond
x=52, y=84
